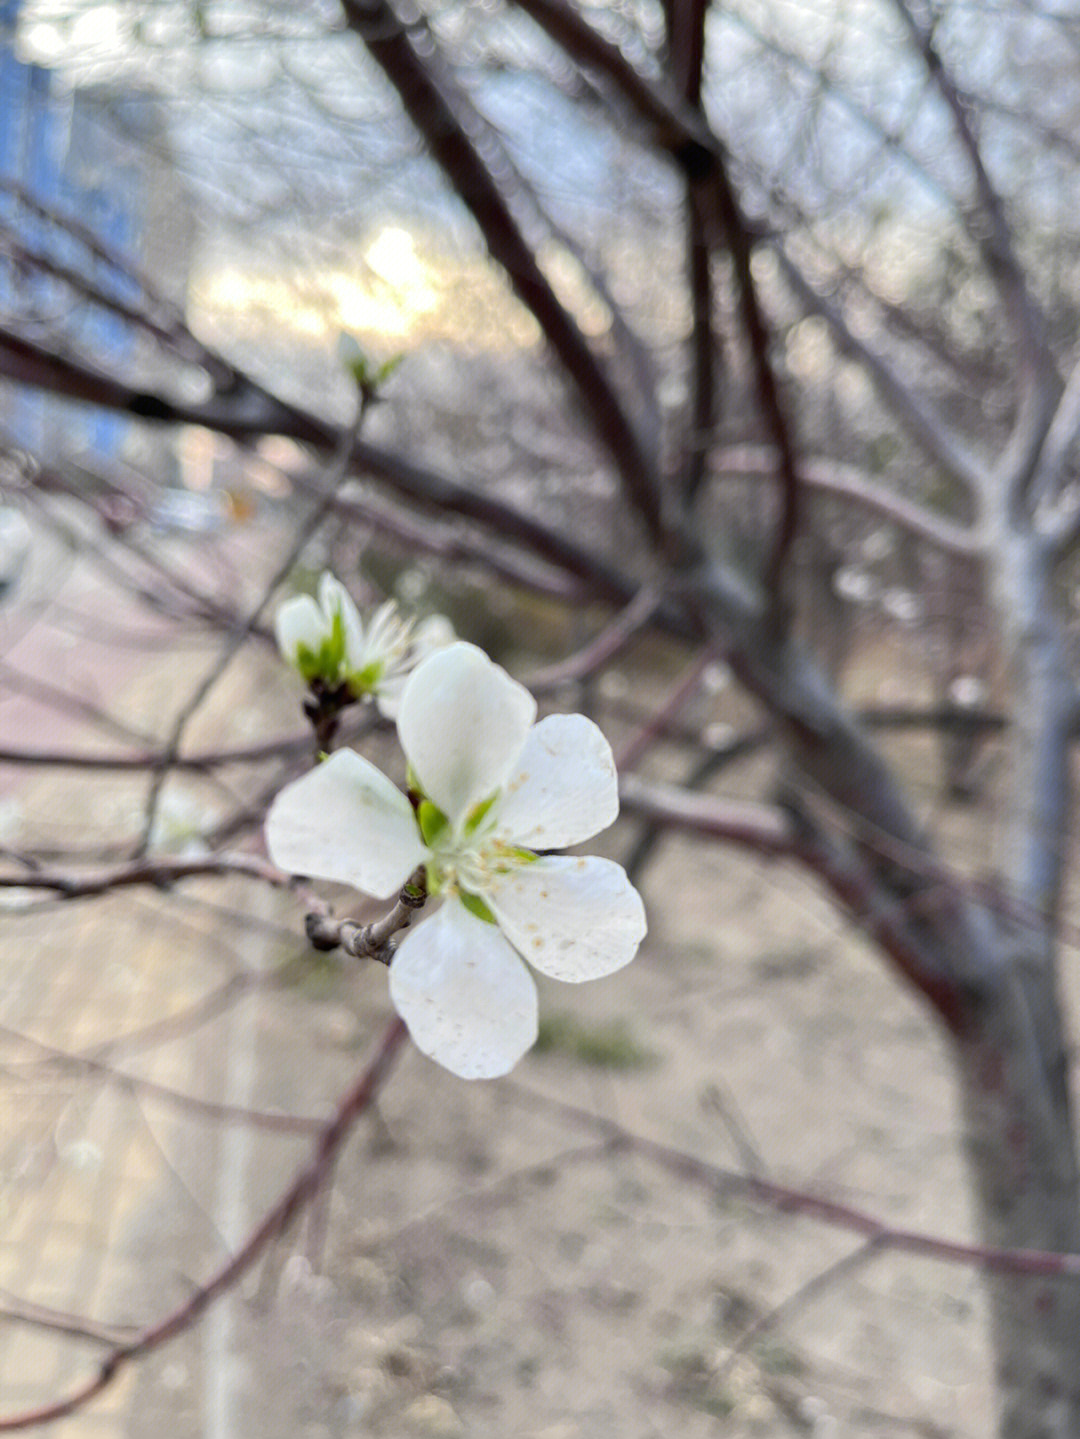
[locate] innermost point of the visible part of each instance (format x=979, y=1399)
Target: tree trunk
x=1022, y=1155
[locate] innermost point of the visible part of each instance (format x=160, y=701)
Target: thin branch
x=305, y=1185
x=679, y=128
x=686, y=47
x=1039, y=385
x=922, y=424
x=160, y=871
x=446, y=541
x=170, y=318
x=603, y=647
x=836, y=479
x=741, y=241
x=764, y=828
x=1063, y=524
x=338, y=469
x=786, y=1199
x=390, y=43
x=288, y=747
x=674, y=703
x=75, y=1326
x=45, y=693
x=676, y=124
x=270, y=1121
x=249, y=410
x=863, y=879
x=813, y=1288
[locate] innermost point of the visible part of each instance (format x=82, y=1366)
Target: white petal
x=563, y=789
x=468, y=1000
x=573, y=919
x=388, y=694
x=299, y=621
x=345, y=821
x=336, y=600
x=431, y=634
x=462, y=723
x=333, y=596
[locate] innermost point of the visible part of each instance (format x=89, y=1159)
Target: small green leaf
x=387, y=368
x=475, y=905
x=308, y=662
x=432, y=822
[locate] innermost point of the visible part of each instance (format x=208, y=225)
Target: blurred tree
x=808, y=277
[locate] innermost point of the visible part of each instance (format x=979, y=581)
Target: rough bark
x=1021, y=1153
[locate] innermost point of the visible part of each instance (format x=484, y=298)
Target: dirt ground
x=485, y=1265
x=492, y=1270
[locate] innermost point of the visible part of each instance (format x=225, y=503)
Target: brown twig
x=164, y=870
x=786, y=1199
x=307, y=1182
x=369, y=941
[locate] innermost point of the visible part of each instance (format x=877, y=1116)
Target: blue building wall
x=36, y=154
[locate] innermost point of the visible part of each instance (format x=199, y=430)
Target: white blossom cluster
x=492, y=792
x=327, y=641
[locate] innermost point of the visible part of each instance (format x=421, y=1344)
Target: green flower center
x=464, y=862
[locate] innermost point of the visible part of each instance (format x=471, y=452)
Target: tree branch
x=922, y=424
x=389, y=42
x=1038, y=378
x=835, y=479
x=300, y=1192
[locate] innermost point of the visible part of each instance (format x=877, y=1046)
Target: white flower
x=495, y=789
x=325, y=639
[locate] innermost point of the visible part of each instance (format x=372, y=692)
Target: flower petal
x=336, y=600
x=468, y=1000
x=462, y=723
x=572, y=918
x=432, y=633
x=299, y=621
x=563, y=789
x=388, y=694
x=346, y=821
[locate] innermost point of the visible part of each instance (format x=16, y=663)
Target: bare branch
x=162, y=870
x=925, y=427
x=250, y=410
x=269, y=1121
x=836, y=479
x=605, y=646
x=1038, y=376
x=304, y=1186
x=786, y=1199
x=1063, y=522
x=389, y=42
x=763, y=828
x=680, y=128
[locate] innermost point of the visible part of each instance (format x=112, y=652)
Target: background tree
x=804, y=281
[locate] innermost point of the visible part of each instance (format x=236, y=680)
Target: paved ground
x=113, y=1202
